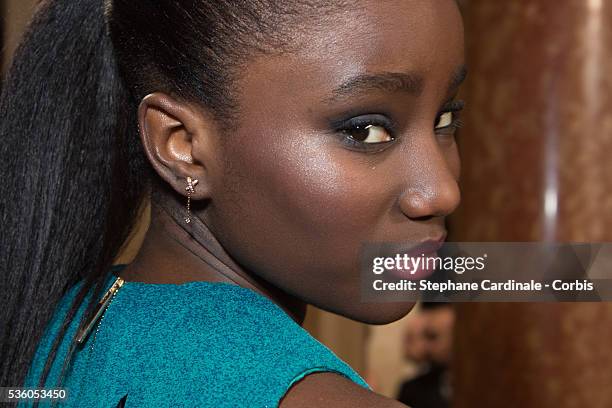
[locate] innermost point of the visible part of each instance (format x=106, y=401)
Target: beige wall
x=17, y=14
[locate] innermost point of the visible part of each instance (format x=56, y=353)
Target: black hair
x=74, y=172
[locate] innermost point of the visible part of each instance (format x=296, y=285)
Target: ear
x=176, y=137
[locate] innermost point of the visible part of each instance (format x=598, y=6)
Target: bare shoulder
x=333, y=390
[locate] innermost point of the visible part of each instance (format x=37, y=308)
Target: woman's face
x=342, y=142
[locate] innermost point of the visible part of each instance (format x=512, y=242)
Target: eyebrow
x=385, y=81
x=411, y=83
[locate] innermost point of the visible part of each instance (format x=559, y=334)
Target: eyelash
x=355, y=123
x=455, y=107
x=456, y=123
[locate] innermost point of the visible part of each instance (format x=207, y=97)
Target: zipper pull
x=102, y=305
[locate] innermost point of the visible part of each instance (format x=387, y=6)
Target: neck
x=176, y=252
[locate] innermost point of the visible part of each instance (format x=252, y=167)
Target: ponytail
x=73, y=174
x=74, y=171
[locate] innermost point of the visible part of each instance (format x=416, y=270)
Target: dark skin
x=284, y=202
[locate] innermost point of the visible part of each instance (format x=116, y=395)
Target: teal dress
x=197, y=344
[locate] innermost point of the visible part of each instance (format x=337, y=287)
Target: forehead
x=386, y=33
x=416, y=36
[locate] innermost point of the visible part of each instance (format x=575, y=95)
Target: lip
x=427, y=249
x=428, y=246
x=424, y=248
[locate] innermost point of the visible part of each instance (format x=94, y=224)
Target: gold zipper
x=100, y=309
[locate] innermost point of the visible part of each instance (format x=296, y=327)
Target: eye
x=366, y=132
x=448, y=119
x=369, y=134
x=445, y=120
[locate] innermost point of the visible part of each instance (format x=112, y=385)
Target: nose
x=434, y=190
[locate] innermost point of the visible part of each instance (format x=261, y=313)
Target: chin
x=376, y=313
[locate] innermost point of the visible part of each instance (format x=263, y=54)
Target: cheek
x=296, y=213
x=297, y=216
x=449, y=149
x=454, y=160
x=308, y=187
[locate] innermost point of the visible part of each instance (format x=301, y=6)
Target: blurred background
x=537, y=165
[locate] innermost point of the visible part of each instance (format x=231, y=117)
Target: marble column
x=537, y=165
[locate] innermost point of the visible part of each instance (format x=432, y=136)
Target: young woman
x=274, y=137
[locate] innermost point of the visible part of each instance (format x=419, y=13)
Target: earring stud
x=191, y=183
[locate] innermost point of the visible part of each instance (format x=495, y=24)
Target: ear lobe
x=169, y=130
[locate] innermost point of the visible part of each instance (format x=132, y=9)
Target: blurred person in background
x=432, y=345
x=415, y=345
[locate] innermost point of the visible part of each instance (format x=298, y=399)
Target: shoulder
x=50, y=331
x=331, y=390
x=232, y=343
